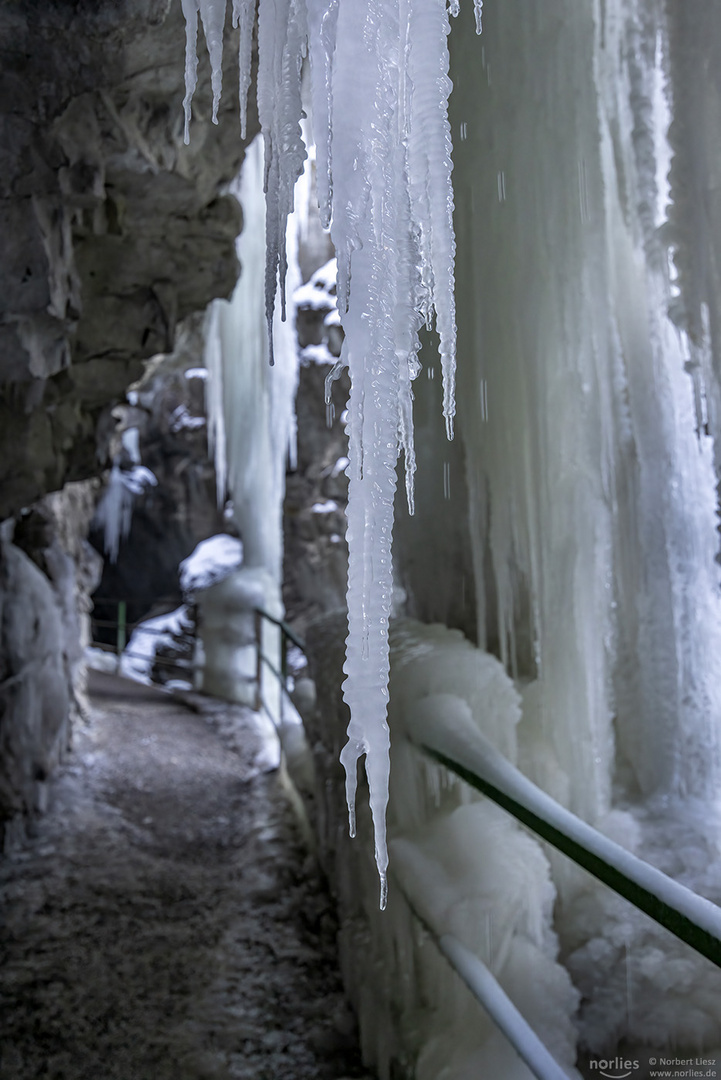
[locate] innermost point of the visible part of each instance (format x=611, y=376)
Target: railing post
x=121, y=633
x=259, y=659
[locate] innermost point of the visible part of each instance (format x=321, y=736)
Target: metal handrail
x=491, y=995
x=287, y=634
x=466, y=752
x=288, y=630
x=122, y=626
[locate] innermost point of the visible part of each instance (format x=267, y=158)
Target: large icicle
x=212, y=14
x=379, y=90
x=281, y=48
x=244, y=17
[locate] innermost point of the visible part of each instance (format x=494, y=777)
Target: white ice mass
x=380, y=86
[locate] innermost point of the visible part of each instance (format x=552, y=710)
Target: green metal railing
x=287, y=634
x=122, y=627
x=465, y=752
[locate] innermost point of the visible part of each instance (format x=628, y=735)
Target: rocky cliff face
x=113, y=229
x=47, y=572
x=113, y=232
x=171, y=516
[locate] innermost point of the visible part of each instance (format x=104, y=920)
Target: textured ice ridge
x=379, y=92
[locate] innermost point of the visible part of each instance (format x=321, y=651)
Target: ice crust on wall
x=379, y=90
x=590, y=475
x=251, y=416
x=470, y=870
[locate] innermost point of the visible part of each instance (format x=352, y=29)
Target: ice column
x=379, y=87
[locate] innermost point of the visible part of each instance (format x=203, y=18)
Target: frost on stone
x=379, y=95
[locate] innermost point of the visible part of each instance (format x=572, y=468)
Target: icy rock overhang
x=379, y=96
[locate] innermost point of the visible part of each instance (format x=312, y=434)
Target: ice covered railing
x=379, y=92
x=474, y=872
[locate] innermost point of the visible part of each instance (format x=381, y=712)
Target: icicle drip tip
x=190, y=11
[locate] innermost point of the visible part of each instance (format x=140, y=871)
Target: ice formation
x=386, y=222
x=251, y=418
x=589, y=404
x=115, y=510
x=470, y=870
x=379, y=90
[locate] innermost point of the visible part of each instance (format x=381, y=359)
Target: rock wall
x=113, y=229
x=113, y=232
x=168, y=411
x=47, y=572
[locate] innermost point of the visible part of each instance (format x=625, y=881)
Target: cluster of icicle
x=379, y=96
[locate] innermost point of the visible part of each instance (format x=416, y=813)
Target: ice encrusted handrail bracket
x=379, y=91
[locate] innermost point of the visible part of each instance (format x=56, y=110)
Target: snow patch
x=138, y=656
x=210, y=562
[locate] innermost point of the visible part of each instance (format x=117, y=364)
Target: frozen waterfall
x=571, y=529
x=380, y=86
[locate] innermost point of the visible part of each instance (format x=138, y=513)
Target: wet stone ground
x=165, y=922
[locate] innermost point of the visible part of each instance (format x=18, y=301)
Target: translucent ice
x=379, y=93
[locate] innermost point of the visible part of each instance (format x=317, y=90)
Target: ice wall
x=469, y=869
x=252, y=418
x=589, y=466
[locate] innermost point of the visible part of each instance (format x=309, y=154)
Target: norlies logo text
x=615, y=1068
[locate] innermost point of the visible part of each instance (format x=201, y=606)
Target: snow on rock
x=318, y=294
x=182, y=418
x=379, y=88
x=136, y=661
x=210, y=562
x=317, y=354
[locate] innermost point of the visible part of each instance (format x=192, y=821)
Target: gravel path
x=165, y=922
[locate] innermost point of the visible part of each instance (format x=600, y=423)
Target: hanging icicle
x=379, y=89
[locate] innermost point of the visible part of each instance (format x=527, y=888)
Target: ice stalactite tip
x=379, y=89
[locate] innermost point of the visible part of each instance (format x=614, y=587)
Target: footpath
x=165, y=921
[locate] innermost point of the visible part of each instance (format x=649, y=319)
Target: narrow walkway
x=165, y=922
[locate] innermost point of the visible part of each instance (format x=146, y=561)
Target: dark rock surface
x=315, y=551
x=113, y=230
x=171, y=518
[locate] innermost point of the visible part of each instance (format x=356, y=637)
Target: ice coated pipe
x=466, y=752
x=501, y=1009
x=491, y=995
